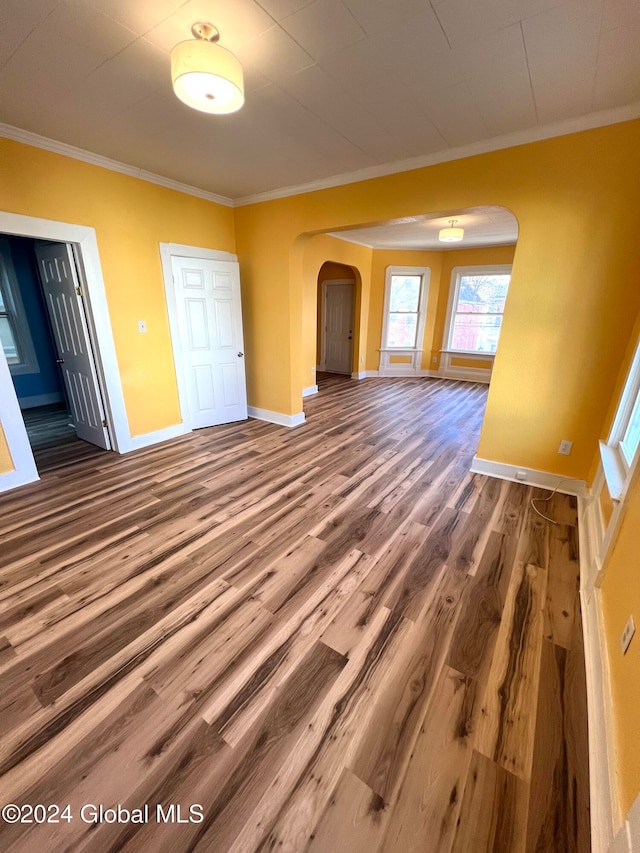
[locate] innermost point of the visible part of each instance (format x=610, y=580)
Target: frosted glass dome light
x=206, y=76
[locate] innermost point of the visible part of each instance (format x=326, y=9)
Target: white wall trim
x=24, y=466
x=276, y=417
x=184, y=251
x=136, y=442
x=361, y=375
x=98, y=319
x=465, y=374
x=497, y=143
x=532, y=477
x=34, y=139
x=310, y=391
x=605, y=815
x=628, y=112
x=40, y=400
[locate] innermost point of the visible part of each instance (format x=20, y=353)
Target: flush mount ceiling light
x=451, y=235
x=206, y=76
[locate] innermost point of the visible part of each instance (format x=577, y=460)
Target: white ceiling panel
x=331, y=85
x=324, y=27
x=618, y=14
x=279, y=9
x=506, y=105
x=464, y=22
x=275, y=54
x=17, y=20
x=485, y=226
x=454, y=113
x=618, y=69
x=139, y=16
x=384, y=15
x=562, y=45
x=237, y=23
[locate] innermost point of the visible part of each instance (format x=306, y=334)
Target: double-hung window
x=476, y=306
x=405, y=301
x=620, y=451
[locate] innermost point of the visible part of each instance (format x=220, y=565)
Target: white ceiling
x=332, y=86
x=483, y=226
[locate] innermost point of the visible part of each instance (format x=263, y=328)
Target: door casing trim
x=99, y=322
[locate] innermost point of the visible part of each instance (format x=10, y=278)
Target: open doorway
x=336, y=319
x=47, y=345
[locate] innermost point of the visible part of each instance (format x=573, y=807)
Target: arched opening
x=336, y=320
x=459, y=290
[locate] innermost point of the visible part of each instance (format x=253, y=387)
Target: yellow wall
x=317, y=251
x=440, y=265
x=620, y=598
x=131, y=217
x=6, y=463
x=572, y=298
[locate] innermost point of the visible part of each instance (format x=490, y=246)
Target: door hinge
x=78, y=290
x=104, y=422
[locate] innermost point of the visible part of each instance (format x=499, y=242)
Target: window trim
x=617, y=470
x=424, y=273
x=454, y=288
x=18, y=316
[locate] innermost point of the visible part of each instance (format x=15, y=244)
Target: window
x=476, y=306
x=620, y=452
x=405, y=298
x=14, y=328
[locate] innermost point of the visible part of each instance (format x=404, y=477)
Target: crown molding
x=497, y=143
x=7, y=131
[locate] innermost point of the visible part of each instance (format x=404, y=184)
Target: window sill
x=460, y=353
x=615, y=472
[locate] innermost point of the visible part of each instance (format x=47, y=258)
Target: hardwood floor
x=326, y=639
x=53, y=439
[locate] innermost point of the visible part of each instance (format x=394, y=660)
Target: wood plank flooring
x=326, y=639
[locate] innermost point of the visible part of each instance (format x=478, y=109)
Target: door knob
x=59, y=360
x=240, y=354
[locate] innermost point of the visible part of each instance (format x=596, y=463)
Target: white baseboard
x=28, y=473
x=276, y=417
x=39, y=400
x=310, y=391
x=605, y=817
x=532, y=477
x=136, y=442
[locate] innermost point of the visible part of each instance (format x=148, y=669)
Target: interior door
x=209, y=316
x=63, y=299
x=338, y=328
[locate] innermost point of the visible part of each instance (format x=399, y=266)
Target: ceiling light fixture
x=205, y=76
x=451, y=235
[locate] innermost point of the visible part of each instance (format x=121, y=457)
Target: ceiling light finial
x=205, y=76
x=451, y=235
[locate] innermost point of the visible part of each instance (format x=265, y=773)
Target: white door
x=62, y=293
x=209, y=316
x=338, y=327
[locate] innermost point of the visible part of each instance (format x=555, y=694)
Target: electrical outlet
x=313, y=370
x=627, y=634
x=521, y=475
x=565, y=447
x=434, y=360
